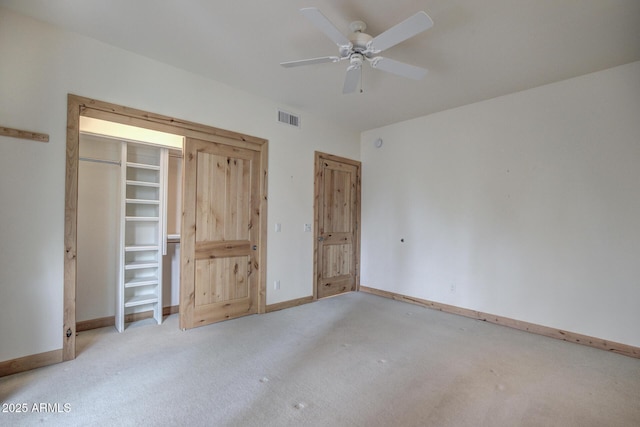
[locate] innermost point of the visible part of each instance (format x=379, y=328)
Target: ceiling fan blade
x=399, y=68
x=400, y=32
x=310, y=61
x=323, y=24
x=352, y=79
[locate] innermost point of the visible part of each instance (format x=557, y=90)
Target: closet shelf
x=141, y=300
x=141, y=281
x=143, y=183
x=143, y=166
x=140, y=264
x=143, y=201
x=142, y=218
x=138, y=248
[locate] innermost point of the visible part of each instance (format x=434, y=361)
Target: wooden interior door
x=337, y=235
x=220, y=233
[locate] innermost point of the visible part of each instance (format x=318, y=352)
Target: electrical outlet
x=453, y=288
x=276, y=285
x=307, y=228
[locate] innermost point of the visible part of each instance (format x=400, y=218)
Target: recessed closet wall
x=98, y=220
x=99, y=207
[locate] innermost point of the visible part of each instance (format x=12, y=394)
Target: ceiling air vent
x=288, y=118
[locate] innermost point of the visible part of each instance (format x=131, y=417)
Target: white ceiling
x=476, y=50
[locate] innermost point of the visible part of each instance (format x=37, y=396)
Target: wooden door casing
x=337, y=217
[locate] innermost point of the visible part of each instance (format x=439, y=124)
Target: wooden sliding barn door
x=220, y=240
x=337, y=217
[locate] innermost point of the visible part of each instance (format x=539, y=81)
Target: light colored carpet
x=352, y=360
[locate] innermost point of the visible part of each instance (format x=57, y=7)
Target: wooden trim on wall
x=173, y=309
x=599, y=343
x=134, y=117
x=100, y=322
x=289, y=304
x=23, y=134
x=71, y=228
x=26, y=363
x=262, y=260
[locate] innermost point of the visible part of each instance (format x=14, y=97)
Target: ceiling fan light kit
x=360, y=47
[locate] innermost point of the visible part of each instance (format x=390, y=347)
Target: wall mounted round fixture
x=377, y=143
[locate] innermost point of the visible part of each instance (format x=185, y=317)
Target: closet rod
x=109, y=162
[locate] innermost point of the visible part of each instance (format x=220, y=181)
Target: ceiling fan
x=360, y=47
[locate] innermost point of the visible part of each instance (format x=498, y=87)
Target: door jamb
x=81, y=106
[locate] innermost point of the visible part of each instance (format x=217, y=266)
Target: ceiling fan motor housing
x=359, y=41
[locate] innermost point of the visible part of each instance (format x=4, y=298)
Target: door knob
x=320, y=239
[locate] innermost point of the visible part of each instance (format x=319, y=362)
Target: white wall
x=528, y=204
x=40, y=66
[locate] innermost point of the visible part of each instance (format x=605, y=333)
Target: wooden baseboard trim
x=102, y=322
x=174, y=309
x=27, y=363
x=573, y=337
x=288, y=304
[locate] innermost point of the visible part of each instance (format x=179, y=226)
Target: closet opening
x=140, y=163
x=128, y=237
